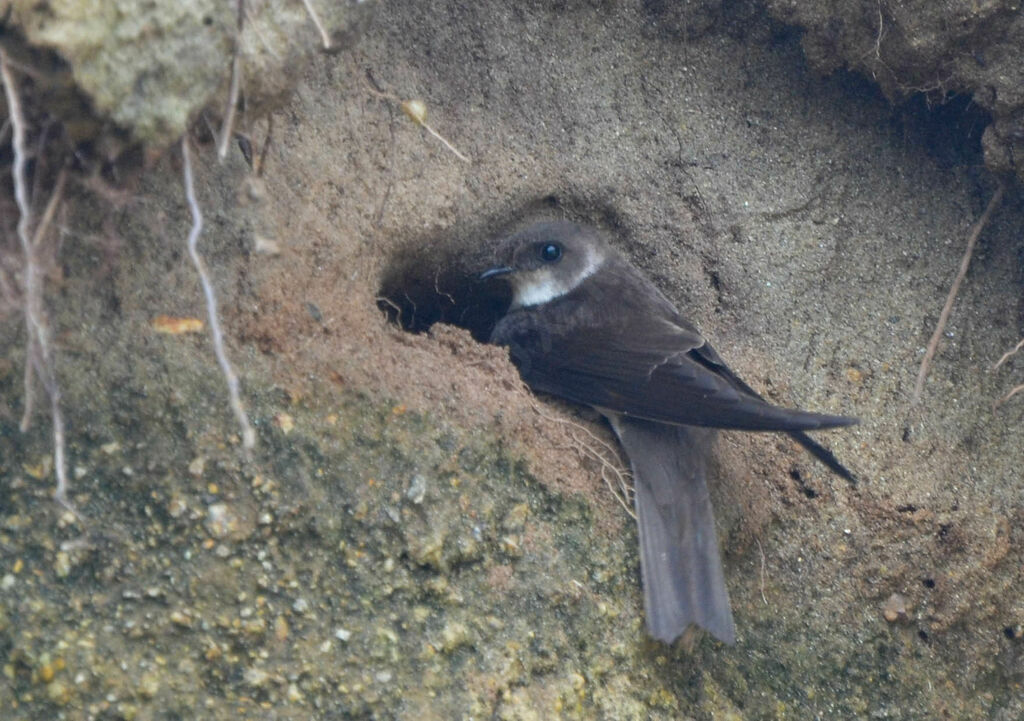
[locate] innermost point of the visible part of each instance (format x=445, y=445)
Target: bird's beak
x=502, y=270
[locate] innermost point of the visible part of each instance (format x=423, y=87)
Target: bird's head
x=547, y=260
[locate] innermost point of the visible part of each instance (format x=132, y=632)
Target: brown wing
x=655, y=368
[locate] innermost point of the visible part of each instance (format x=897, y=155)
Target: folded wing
x=654, y=369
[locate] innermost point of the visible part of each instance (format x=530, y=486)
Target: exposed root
x=248, y=433
x=1006, y=356
x=615, y=476
x=760, y=550
x=940, y=327
x=37, y=238
x=880, y=35
x=878, y=45
x=1013, y=391
x=39, y=360
x=228, y=125
x=324, y=37
x=261, y=160
x=1016, y=389
x=51, y=208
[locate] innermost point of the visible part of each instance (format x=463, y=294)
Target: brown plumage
x=587, y=326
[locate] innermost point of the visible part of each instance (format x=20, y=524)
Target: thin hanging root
x=615, y=477
x=933, y=344
x=324, y=37
x=39, y=353
x=1006, y=356
x=1016, y=389
x=1013, y=391
x=33, y=293
x=228, y=125
x=37, y=239
x=260, y=161
x=761, y=551
x=29, y=382
x=248, y=433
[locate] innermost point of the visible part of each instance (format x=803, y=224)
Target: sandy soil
x=418, y=537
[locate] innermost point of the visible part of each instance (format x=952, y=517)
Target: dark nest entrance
x=439, y=283
x=437, y=279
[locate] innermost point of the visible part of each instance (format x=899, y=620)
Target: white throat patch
x=543, y=284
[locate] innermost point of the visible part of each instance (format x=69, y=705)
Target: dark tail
x=680, y=562
x=707, y=355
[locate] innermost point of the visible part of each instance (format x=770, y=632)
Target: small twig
x=933, y=344
x=387, y=301
x=416, y=110
x=1016, y=389
x=440, y=137
x=761, y=551
x=51, y=208
x=1009, y=353
x=324, y=37
x=261, y=159
x=1013, y=391
x=248, y=434
x=878, y=38
x=437, y=288
x=228, y=125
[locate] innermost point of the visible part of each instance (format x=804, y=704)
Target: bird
x=585, y=325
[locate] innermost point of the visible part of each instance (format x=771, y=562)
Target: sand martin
x=587, y=326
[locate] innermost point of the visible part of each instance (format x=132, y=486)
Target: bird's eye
x=551, y=252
